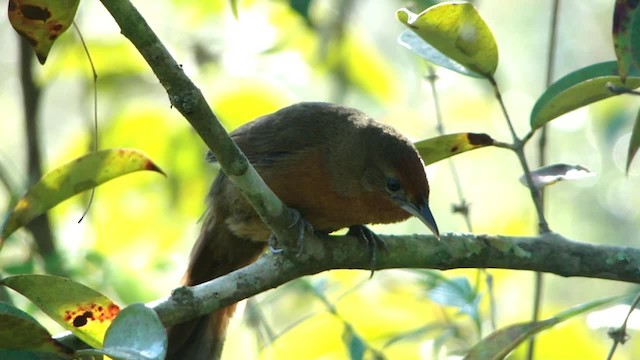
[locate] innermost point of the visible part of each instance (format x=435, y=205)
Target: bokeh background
x=135, y=241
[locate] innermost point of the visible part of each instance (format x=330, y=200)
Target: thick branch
x=550, y=253
x=40, y=227
x=190, y=102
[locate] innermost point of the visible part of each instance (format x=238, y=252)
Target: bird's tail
x=216, y=253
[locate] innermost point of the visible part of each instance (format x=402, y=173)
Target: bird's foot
x=373, y=241
x=302, y=225
x=273, y=244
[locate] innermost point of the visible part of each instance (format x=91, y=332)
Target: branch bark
x=549, y=253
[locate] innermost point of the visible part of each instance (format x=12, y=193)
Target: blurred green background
x=134, y=244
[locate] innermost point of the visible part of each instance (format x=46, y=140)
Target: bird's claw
x=373, y=241
x=273, y=245
x=302, y=225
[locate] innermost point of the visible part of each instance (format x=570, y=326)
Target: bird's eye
x=393, y=184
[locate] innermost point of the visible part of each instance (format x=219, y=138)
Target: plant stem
x=542, y=161
x=462, y=206
x=518, y=147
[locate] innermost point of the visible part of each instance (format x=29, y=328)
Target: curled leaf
x=136, y=333
x=413, y=42
x=551, y=174
x=444, y=146
x=456, y=30
x=73, y=178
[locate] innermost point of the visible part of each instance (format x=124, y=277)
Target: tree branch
x=189, y=101
x=40, y=227
x=550, y=253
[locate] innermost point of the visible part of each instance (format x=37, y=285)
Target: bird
x=333, y=164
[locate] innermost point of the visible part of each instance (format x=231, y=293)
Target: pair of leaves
x=41, y=22
x=133, y=333
x=453, y=35
x=600, y=81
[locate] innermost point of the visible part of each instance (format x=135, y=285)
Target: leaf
x=20, y=331
x=354, y=343
x=551, y=174
x=136, y=333
x=626, y=36
x=73, y=178
x=41, y=22
x=501, y=342
x=634, y=143
x=456, y=30
x=457, y=292
x=413, y=42
x=579, y=88
x=444, y=146
x=234, y=8
x=83, y=311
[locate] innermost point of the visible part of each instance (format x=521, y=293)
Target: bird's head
x=399, y=172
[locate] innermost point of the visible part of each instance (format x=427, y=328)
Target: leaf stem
x=518, y=148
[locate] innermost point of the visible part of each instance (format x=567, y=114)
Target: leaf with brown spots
x=442, y=147
x=20, y=331
x=83, y=311
x=626, y=36
x=41, y=22
x=73, y=178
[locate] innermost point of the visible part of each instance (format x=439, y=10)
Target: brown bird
x=335, y=165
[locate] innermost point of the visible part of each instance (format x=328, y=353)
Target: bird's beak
x=423, y=213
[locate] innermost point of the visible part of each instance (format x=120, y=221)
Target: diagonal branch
x=189, y=101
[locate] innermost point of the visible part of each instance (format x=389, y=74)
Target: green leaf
x=457, y=30
x=551, y=174
x=626, y=36
x=501, y=342
x=354, y=343
x=77, y=308
x=444, y=146
x=41, y=22
x=20, y=331
x=136, y=334
x=579, y=88
x=413, y=42
x=634, y=143
x=234, y=8
x=73, y=178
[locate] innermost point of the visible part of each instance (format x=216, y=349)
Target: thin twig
x=95, y=111
x=542, y=161
x=462, y=207
x=543, y=226
x=620, y=335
